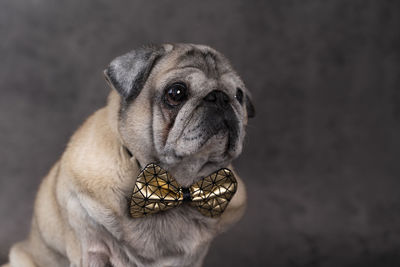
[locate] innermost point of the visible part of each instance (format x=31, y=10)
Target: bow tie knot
x=156, y=190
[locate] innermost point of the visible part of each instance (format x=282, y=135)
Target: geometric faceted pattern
x=156, y=191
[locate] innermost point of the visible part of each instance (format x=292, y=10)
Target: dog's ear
x=251, y=112
x=128, y=73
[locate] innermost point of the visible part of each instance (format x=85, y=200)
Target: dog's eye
x=239, y=95
x=176, y=94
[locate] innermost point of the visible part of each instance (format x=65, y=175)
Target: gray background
x=321, y=160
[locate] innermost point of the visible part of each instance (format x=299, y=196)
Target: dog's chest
x=180, y=236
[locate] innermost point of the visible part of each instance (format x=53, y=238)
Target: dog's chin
x=189, y=160
x=214, y=150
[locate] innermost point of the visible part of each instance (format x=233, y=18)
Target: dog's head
x=182, y=106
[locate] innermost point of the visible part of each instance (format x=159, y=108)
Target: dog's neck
x=190, y=170
x=187, y=171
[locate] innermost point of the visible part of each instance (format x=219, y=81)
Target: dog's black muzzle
x=220, y=117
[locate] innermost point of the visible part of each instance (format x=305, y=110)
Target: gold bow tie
x=156, y=190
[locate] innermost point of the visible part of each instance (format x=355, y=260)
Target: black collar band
x=131, y=155
x=127, y=151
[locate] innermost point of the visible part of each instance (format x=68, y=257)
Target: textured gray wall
x=321, y=160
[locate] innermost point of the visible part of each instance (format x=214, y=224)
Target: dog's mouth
x=218, y=137
x=207, y=133
x=224, y=126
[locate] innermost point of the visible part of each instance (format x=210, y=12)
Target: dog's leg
x=73, y=248
x=90, y=259
x=95, y=256
x=93, y=253
x=86, y=246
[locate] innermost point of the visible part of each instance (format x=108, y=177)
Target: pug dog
x=181, y=106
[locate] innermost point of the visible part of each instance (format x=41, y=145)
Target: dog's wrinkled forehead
x=197, y=65
x=205, y=59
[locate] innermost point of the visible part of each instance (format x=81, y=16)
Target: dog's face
x=182, y=106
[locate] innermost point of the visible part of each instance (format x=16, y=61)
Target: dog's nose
x=219, y=98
